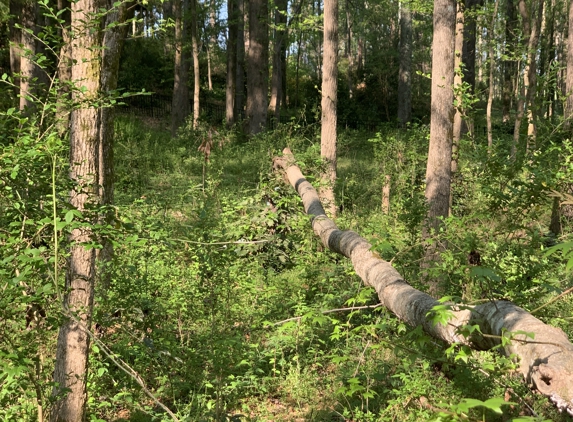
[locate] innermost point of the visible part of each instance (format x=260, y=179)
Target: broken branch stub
x=546, y=360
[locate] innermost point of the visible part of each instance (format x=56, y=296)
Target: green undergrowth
x=219, y=287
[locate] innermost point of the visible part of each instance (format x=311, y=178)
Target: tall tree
x=70, y=374
x=279, y=48
x=526, y=94
x=257, y=65
x=491, y=82
x=231, y=81
x=195, y=48
x=328, y=103
x=113, y=40
x=509, y=65
x=568, y=113
x=240, y=85
x=438, y=171
x=180, y=102
x=405, y=73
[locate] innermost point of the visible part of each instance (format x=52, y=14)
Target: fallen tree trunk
x=544, y=352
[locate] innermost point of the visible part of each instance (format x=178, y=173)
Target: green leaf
x=69, y=216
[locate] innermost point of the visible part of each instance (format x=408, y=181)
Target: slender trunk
x=240, y=86
x=195, y=46
x=231, y=84
x=180, y=105
x=257, y=67
x=405, y=72
x=70, y=374
x=278, y=51
x=351, y=65
x=491, y=33
x=328, y=104
x=64, y=70
x=459, y=110
x=28, y=67
x=568, y=114
x=113, y=40
x=212, y=41
x=509, y=67
x=532, y=77
x=15, y=41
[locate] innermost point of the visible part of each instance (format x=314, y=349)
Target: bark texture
x=28, y=68
x=231, y=81
x=180, y=105
x=73, y=340
x=195, y=47
x=405, y=72
x=113, y=40
x=438, y=171
x=546, y=361
x=569, y=80
x=328, y=103
x=278, y=53
x=257, y=66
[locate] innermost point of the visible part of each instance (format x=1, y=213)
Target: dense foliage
x=214, y=259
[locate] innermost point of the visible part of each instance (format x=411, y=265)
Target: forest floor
x=217, y=258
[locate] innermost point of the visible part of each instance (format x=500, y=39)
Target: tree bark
x=212, y=40
x=438, y=170
x=257, y=66
x=70, y=375
x=240, y=86
x=231, y=81
x=279, y=49
x=458, y=128
x=15, y=40
x=491, y=41
x=113, y=40
x=64, y=72
x=28, y=68
x=328, y=103
x=546, y=361
x=525, y=100
x=195, y=47
x=180, y=104
x=509, y=67
x=568, y=114
x=405, y=72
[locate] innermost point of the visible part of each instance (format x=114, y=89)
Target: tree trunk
x=70, y=374
x=212, y=40
x=180, y=102
x=546, y=362
x=28, y=68
x=278, y=52
x=231, y=82
x=113, y=40
x=349, y=56
x=328, y=103
x=257, y=66
x=440, y=151
x=195, y=46
x=458, y=129
x=240, y=86
x=64, y=72
x=568, y=114
x=527, y=92
x=509, y=68
x=405, y=72
x=491, y=39
x=532, y=77
x=15, y=40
